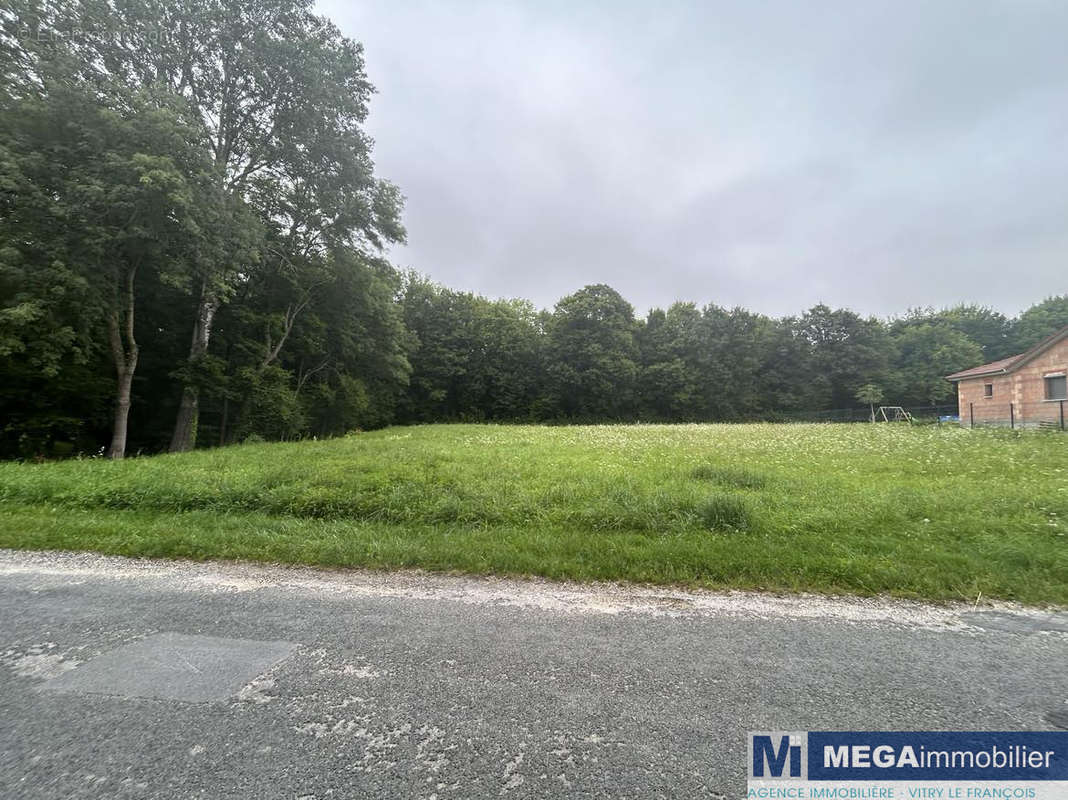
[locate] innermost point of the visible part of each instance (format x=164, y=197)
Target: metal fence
x=1048, y=414
x=938, y=413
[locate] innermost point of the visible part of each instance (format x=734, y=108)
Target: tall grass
x=930, y=512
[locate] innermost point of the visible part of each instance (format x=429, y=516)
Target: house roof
x=1006, y=365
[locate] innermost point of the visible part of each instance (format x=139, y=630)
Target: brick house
x=1025, y=390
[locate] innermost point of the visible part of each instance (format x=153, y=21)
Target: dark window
x=1056, y=388
x=988, y=390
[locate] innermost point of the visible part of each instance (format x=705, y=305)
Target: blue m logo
x=765, y=753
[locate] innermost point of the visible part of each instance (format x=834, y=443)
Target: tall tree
x=844, y=349
x=473, y=358
x=989, y=329
x=926, y=354
x=1039, y=321
x=669, y=386
x=592, y=355
x=735, y=348
x=107, y=192
x=282, y=97
x=352, y=364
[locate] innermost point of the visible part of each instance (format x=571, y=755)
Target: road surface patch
x=174, y=666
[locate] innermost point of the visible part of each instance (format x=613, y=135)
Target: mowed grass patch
x=937, y=513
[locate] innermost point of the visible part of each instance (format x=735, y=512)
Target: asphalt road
x=170, y=680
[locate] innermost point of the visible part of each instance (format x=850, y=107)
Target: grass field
x=938, y=513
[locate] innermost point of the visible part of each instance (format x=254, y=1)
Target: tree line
x=591, y=359
x=191, y=254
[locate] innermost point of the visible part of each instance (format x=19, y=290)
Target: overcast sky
x=765, y=154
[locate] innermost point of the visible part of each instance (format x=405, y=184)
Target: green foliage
x=101, y=194
x=273, y=410
x=1039, y=321
x=869, y=394
x=927, y=352
x=707, y=364
x=592, y=355
x=988, y=329
x=472, y=358
x=843, y=349
x=227, y=174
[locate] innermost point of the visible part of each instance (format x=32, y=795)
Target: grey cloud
x=769, y=154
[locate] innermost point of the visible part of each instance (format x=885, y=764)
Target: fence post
x=971, y=414
x=1062, y=414
x=1012, y=415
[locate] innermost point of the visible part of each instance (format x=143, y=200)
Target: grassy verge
x=937, y=513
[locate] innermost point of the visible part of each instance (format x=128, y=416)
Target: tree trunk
x=185, y=427
x=125, y=356
x=117, y=449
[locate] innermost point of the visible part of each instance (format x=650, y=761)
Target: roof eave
x=1017, y=361
x=958, y=377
